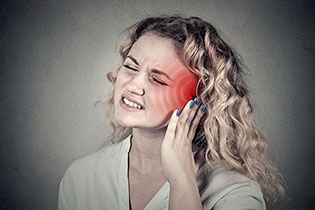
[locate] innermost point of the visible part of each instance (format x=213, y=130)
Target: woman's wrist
x=183, y=184
x=184, y=194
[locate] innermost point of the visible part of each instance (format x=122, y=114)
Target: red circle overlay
x=176, y=95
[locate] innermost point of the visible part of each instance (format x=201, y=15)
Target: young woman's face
x=151, y=84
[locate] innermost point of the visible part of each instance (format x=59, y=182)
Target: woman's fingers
x=183, y=120
x=188, y=118
x=182, y=127
x=184, y=115
x=171, y=128
x=194, y=123
x=192, y=115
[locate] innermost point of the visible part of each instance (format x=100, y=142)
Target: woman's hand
x=179, y=164
x=178, y=161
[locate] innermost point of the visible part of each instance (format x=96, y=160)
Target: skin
x=161, y=147
x=137, y=76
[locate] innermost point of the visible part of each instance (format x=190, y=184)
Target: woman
x=185, y=135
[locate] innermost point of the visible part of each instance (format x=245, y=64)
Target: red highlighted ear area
x=179, y=93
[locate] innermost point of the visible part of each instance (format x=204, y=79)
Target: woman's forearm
x=184, y=195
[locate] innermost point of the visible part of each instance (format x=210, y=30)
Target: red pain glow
x=181, y=91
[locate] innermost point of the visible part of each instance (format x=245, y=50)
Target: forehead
x=156, y=52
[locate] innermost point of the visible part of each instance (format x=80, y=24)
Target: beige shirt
x=100, y=182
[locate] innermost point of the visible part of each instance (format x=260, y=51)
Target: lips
x=129, y=102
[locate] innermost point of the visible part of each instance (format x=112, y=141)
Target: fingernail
x=203, y=108
x=192, y=104
x=177, y=112
x=198, y=101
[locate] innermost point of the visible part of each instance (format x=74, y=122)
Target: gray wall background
x=54, y=60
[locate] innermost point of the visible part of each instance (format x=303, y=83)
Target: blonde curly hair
x=227, y=131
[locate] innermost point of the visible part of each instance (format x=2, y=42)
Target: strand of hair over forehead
x=233, y=138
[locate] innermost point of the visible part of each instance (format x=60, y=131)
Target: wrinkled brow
x=155, y=71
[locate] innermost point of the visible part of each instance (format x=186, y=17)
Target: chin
x=166, y=120
x=132, y=123
x=128, y=121
x=123, y=120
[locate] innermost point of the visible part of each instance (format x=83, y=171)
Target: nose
x=136, y=85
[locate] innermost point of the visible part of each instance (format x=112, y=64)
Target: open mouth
x=131, y=104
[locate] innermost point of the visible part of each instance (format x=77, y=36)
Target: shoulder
x=86, y=177
x=107, y=156
x=231, y=190
x=90, y=166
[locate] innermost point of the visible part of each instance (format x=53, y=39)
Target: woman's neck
x=145, y=152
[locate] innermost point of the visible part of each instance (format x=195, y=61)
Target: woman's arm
x=184, y=195
x=179, y=164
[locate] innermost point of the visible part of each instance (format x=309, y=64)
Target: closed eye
x=159, y=81
x=153, y=78
x=129, y=67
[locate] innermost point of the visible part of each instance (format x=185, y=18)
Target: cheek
x=116, y=92
x=119, y=83
x=176, y=97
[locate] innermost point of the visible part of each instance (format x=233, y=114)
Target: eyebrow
x=161, y=73
x=156, y=71
x=133, y=59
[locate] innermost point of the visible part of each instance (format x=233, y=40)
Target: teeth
x=131, y=103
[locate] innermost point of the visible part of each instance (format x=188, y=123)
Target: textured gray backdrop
x=55, y=56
